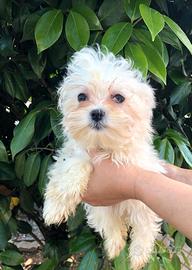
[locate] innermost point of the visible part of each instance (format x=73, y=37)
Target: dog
x=107, y=106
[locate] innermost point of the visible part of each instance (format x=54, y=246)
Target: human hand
x=110, y=184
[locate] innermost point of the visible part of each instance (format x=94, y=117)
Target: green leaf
x=15, y=85
x=136, y=54
x=121, y=262
x=6, y=45
x=23, y=133
x=19, y=165
x=174, y=135
x=179, y=33
x=3, y=152
x=43, y=180
x=38, y=62
x=153, y=19
x=179, y=241
x=132, y=8
x=169, y=229
x=166, y=151
x=31, y=170
x=26, y=201
x=42, y=120
x=11, y=257
x=5, y=212
x=176, y=262
x=154, y=264
x=48, y=29
x=83, y=242
x=6, y=172
x=169, y=37
x=3, y=236
x=155, y=61
x=186, y=153
x=77, y=30
x=111, y=12
x=117, y=36
x=89, y=15
x=29, y=26
x=12, y=226
x=73, y=222
x=165, y=55
x=49, y=264
x=167, y=264
x=180, y=93
x=90, y=261
x=21, y=90
x=9, y=83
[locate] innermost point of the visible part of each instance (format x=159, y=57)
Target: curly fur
x=126, y=137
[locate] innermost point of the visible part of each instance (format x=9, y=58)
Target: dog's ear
x=142, y=97
x=147, y=94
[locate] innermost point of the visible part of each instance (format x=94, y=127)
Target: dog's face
x=104, y=102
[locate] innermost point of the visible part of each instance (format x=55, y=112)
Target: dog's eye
x=82, y=97
x=118, y=98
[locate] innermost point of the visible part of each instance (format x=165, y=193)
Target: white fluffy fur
x=126, y=139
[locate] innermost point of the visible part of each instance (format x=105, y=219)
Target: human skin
x=170, y=196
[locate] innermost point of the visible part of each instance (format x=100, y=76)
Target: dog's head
x=105, y=103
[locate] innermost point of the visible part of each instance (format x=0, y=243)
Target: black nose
x=97, y=115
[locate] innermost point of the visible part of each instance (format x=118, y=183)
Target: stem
x=137, y=21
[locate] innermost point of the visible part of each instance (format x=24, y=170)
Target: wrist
x=130, y=176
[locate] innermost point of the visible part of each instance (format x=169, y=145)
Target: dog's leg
x=68, y=181
x=145, y=228
x=110, y=226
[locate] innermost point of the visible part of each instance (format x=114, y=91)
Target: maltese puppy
x=106, y=106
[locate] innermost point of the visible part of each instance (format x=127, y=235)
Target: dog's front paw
x=59, y=205
x=58, y=210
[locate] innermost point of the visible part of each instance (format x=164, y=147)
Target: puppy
x=106, y=106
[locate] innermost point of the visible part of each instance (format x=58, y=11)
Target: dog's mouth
x=97, y=126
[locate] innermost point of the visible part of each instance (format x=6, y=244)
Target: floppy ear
x=147, y=94
x=141, y=97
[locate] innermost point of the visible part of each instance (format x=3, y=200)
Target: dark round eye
x=82, y=97
x=118, y=98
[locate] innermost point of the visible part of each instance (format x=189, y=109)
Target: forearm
x=170, y=199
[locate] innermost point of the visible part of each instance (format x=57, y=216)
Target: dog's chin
x=98, y=136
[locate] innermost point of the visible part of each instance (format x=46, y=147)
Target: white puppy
x=106, y=105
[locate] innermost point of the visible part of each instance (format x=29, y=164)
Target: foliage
x=36, y=40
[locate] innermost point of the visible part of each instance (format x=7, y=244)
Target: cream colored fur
x=126, y=138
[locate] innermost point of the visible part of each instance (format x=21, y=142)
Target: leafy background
x=36, y=40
